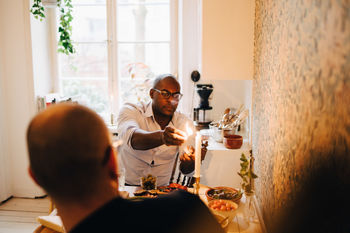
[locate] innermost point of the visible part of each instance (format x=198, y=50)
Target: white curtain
x=5, y=187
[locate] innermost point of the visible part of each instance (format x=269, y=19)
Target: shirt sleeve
x=127, y=124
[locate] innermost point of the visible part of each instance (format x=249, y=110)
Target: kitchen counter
x=213, y=145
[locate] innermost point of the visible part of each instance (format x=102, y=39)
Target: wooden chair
x=178, y=177
x=42, y=229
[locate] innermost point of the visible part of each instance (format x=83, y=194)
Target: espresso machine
x=202, y=113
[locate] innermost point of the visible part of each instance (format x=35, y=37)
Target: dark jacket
x=178, y=212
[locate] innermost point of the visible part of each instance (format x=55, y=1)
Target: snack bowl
x=225, y=208
x=225, y=193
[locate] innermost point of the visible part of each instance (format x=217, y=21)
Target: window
x=84, y=75
x=121, y=46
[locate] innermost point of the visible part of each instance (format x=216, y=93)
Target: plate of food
x=172, y=187
x=162, y=190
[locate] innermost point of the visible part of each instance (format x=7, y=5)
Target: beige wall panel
x=227, y=39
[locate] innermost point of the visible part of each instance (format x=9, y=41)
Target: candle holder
x=196, y=185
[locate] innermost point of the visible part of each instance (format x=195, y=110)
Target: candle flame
x=189, y=131
x=186, y=150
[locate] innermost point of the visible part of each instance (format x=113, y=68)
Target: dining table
x=239, y=224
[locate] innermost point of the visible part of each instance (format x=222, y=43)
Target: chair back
x=178, y=177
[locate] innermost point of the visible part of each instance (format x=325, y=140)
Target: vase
x=249, y=208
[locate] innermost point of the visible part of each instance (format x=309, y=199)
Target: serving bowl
x=233, y=141
x=225, y=208
x=224, y=193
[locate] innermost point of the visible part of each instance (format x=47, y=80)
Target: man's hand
x=187, y=158
x=173, y=137
x=187, y=161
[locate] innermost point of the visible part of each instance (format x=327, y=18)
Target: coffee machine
x=202, y=113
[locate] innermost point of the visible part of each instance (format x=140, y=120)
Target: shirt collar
x=149, y=110
x=149, y=113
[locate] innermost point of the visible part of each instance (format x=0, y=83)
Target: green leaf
x=253, y=175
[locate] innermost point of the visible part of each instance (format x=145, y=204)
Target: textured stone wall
x=301, y=97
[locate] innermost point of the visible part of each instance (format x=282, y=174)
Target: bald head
x=67, y=145
x=164, y=106
x=161, y=78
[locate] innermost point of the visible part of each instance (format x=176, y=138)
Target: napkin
x=52, y=221
x=124, y=194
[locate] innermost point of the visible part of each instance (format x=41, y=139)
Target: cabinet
x=221, y=165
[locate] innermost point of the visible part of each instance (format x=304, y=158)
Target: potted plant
x=248, y=176
x=65, y=44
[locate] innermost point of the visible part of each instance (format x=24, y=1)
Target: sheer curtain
x=4, y=160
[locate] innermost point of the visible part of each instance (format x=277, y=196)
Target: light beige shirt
x=138, y=163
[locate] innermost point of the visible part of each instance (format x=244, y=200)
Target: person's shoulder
x=103, y=218
x=190, y=212
x=187, y=197
x=133, y=107
x=180, y=199
x=181, y=194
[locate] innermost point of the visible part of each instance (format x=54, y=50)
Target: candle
x=197, y=154
x=189, y=131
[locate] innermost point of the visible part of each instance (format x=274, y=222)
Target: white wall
x=229, y=94
x=17, y=81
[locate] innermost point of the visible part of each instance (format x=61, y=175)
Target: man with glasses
x=153, y=133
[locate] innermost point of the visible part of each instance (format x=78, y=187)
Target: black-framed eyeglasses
x=166, y=94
